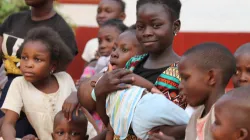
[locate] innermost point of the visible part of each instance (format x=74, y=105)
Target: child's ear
x=54, y=66
x=242, y=134
x=122, y=16
x=211, y=77
x=176, y=26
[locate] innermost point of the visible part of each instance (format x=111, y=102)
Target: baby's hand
x=69, y=105
x=160, y=136
x=156, y=90
x=30, y=137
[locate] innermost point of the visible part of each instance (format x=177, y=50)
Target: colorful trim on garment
x=167, y=82
x=132, y=63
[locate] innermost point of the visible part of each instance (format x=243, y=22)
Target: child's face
x=193, y=82
x=106, y=37
x=223, y=128
x=242, y=76
x=65, y=130
x=126, y=46
x=108, y=9
x=154, y=28
x=35, y=61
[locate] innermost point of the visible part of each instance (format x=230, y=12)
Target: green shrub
x=8, y=7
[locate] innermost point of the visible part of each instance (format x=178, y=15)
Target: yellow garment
x=10, y=65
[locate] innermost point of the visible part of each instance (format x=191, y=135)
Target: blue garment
x=155, y=110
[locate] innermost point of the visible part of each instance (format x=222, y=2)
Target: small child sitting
x=41, y=91
x=242, y=56
x=232, y=112
x=76, y=129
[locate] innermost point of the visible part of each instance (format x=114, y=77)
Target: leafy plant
x=8, y=7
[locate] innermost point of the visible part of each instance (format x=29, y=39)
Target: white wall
x=196, y=15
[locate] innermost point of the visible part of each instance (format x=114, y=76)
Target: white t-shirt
x=90, y=50
x=40, y=108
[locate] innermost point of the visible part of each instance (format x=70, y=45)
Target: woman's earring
x=175, y=34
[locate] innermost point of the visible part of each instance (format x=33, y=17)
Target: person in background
x=107, y=35
x=107, y=9
x=242, y=56
x=232, y=112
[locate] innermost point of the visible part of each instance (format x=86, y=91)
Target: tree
x=8, y=7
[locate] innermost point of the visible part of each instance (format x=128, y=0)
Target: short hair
x=212, y=55
x=172, y=6
x=117, y=23
x=245, y=48
x=122, y=5
x=239, y=98
x=80, y=118
x=58, y=49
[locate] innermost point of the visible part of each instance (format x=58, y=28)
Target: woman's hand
x=69, y=105
x=30, y=137
x=177, y=132
x=113, y=81
x=160, y=136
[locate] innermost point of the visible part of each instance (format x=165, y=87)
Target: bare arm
x=110, y=133
x=1, y=41
x=8, y=127
x=100, y=108
x=84, y=93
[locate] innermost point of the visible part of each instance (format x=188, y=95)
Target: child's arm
x=8, y=127
x=69, y=105
x=110, y=133
x=84, y=93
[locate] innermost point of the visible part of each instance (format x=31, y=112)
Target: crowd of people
x=134, y=86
